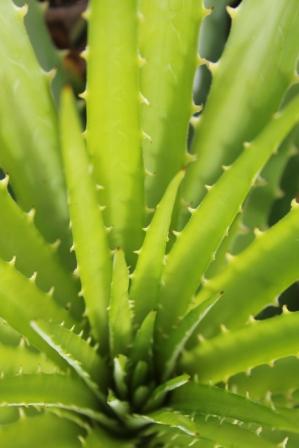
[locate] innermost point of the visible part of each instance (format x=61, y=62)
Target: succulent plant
x=130, y=296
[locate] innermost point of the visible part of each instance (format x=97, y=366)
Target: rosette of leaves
x=125, y=321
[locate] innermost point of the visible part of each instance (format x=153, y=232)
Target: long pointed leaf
x=265, y=378
x=113, y=123
x=21, y=302
x=49, y=391
x=21, y=239
x=120, y=314
x=14, y=360
x=90, y=235
x=262, y=266
x=237, y=351
x=170, y=349
x=147, y=275
x=31, y=139
x=167, y=69
x=200, y=399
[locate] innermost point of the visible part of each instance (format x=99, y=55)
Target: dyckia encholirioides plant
x=126, y=320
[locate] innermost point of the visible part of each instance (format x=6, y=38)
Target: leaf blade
x=112, y=100
x=90, y=235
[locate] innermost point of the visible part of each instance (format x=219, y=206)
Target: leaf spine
x=12, y=262
x=31, y=215
x=141, y=60
x=84, y=54
x=284, y=443
x=146, y=136
x=50, y=75
x=257, y=232
x=21, y=10
x=4, y=182
x=143, y=99
x=33, y=277
x=83, y=95
x=232, y=12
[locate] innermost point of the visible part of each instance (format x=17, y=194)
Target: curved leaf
x=262, y=266
x=230, y=435
x=168, y=352
x=199, y=399
x=237, y=351
x=21, y=302
x=76, y=352
x=31, y=139
x=14, y=360
x=21, y=239
x=50, y=391
x=263, y=379
x=193, y=250
x=158, y=396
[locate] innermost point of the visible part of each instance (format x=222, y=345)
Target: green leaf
x=260, y=201
x=8, y=415
x=194, y=249
x=262, y=266
x=21, y=239
x=166, y=74
x=77, y=352
x=230, y=435
x=120, y=407
x=251, y=77
x=50, y=391
x=146, y=277
x=220, y=259
x=112, y=101
x=263, y=379
x=142, y=349
x=201, y=399
x=21, y=302
x=167, y=435
x=8, y=335
x=46, y=430
x=287, y=439
x=213, y=433
x=120, y=314
x=139, y=376
x=173, y=419
x=27, y=98
x=14, y=360
x=159, y=394
x=89, y=233
x=120, y=372
x=237, y=351
x=167, y=353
